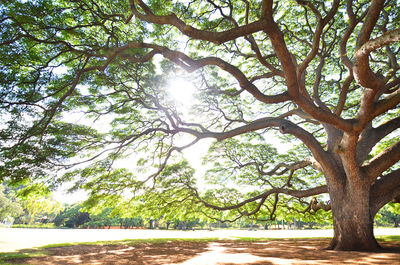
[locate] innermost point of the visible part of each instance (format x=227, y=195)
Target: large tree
x=324, y=73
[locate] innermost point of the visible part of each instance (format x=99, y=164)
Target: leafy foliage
x=36, y=201
x=8, y=207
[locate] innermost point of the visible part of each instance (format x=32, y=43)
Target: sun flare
x=181, y=92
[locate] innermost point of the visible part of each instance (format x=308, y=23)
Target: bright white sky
x=181, y=91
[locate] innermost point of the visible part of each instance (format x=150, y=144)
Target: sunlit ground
x=12, y=239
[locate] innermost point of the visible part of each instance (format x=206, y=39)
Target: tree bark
x=352, y=220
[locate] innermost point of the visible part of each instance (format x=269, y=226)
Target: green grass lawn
x=388, y=238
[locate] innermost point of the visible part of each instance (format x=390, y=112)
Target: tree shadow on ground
x=143, y=253
x=307, y=251
x=311, y=251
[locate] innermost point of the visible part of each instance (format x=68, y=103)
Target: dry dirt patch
x=225, y=252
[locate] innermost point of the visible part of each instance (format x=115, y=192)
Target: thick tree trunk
x=352, y=221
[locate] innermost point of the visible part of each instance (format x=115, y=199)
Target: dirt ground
x=225, y=252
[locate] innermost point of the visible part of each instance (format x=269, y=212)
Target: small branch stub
x=339, y=148
x=282, y=129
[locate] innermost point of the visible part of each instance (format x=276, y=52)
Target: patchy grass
x=22, y=254
x=42, y=226
x=255, y=239
x=209, y=251
x=388, y=238
x=47, y=251
x=41, y=251
x=132, y=242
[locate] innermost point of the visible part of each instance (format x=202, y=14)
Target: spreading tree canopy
x=86, y=84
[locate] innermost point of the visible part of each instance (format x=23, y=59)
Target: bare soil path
x=226, y=252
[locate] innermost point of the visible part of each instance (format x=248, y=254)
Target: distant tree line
x=30, y=206
x=74, y=216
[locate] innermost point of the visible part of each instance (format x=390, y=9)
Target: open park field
x=219, y=247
